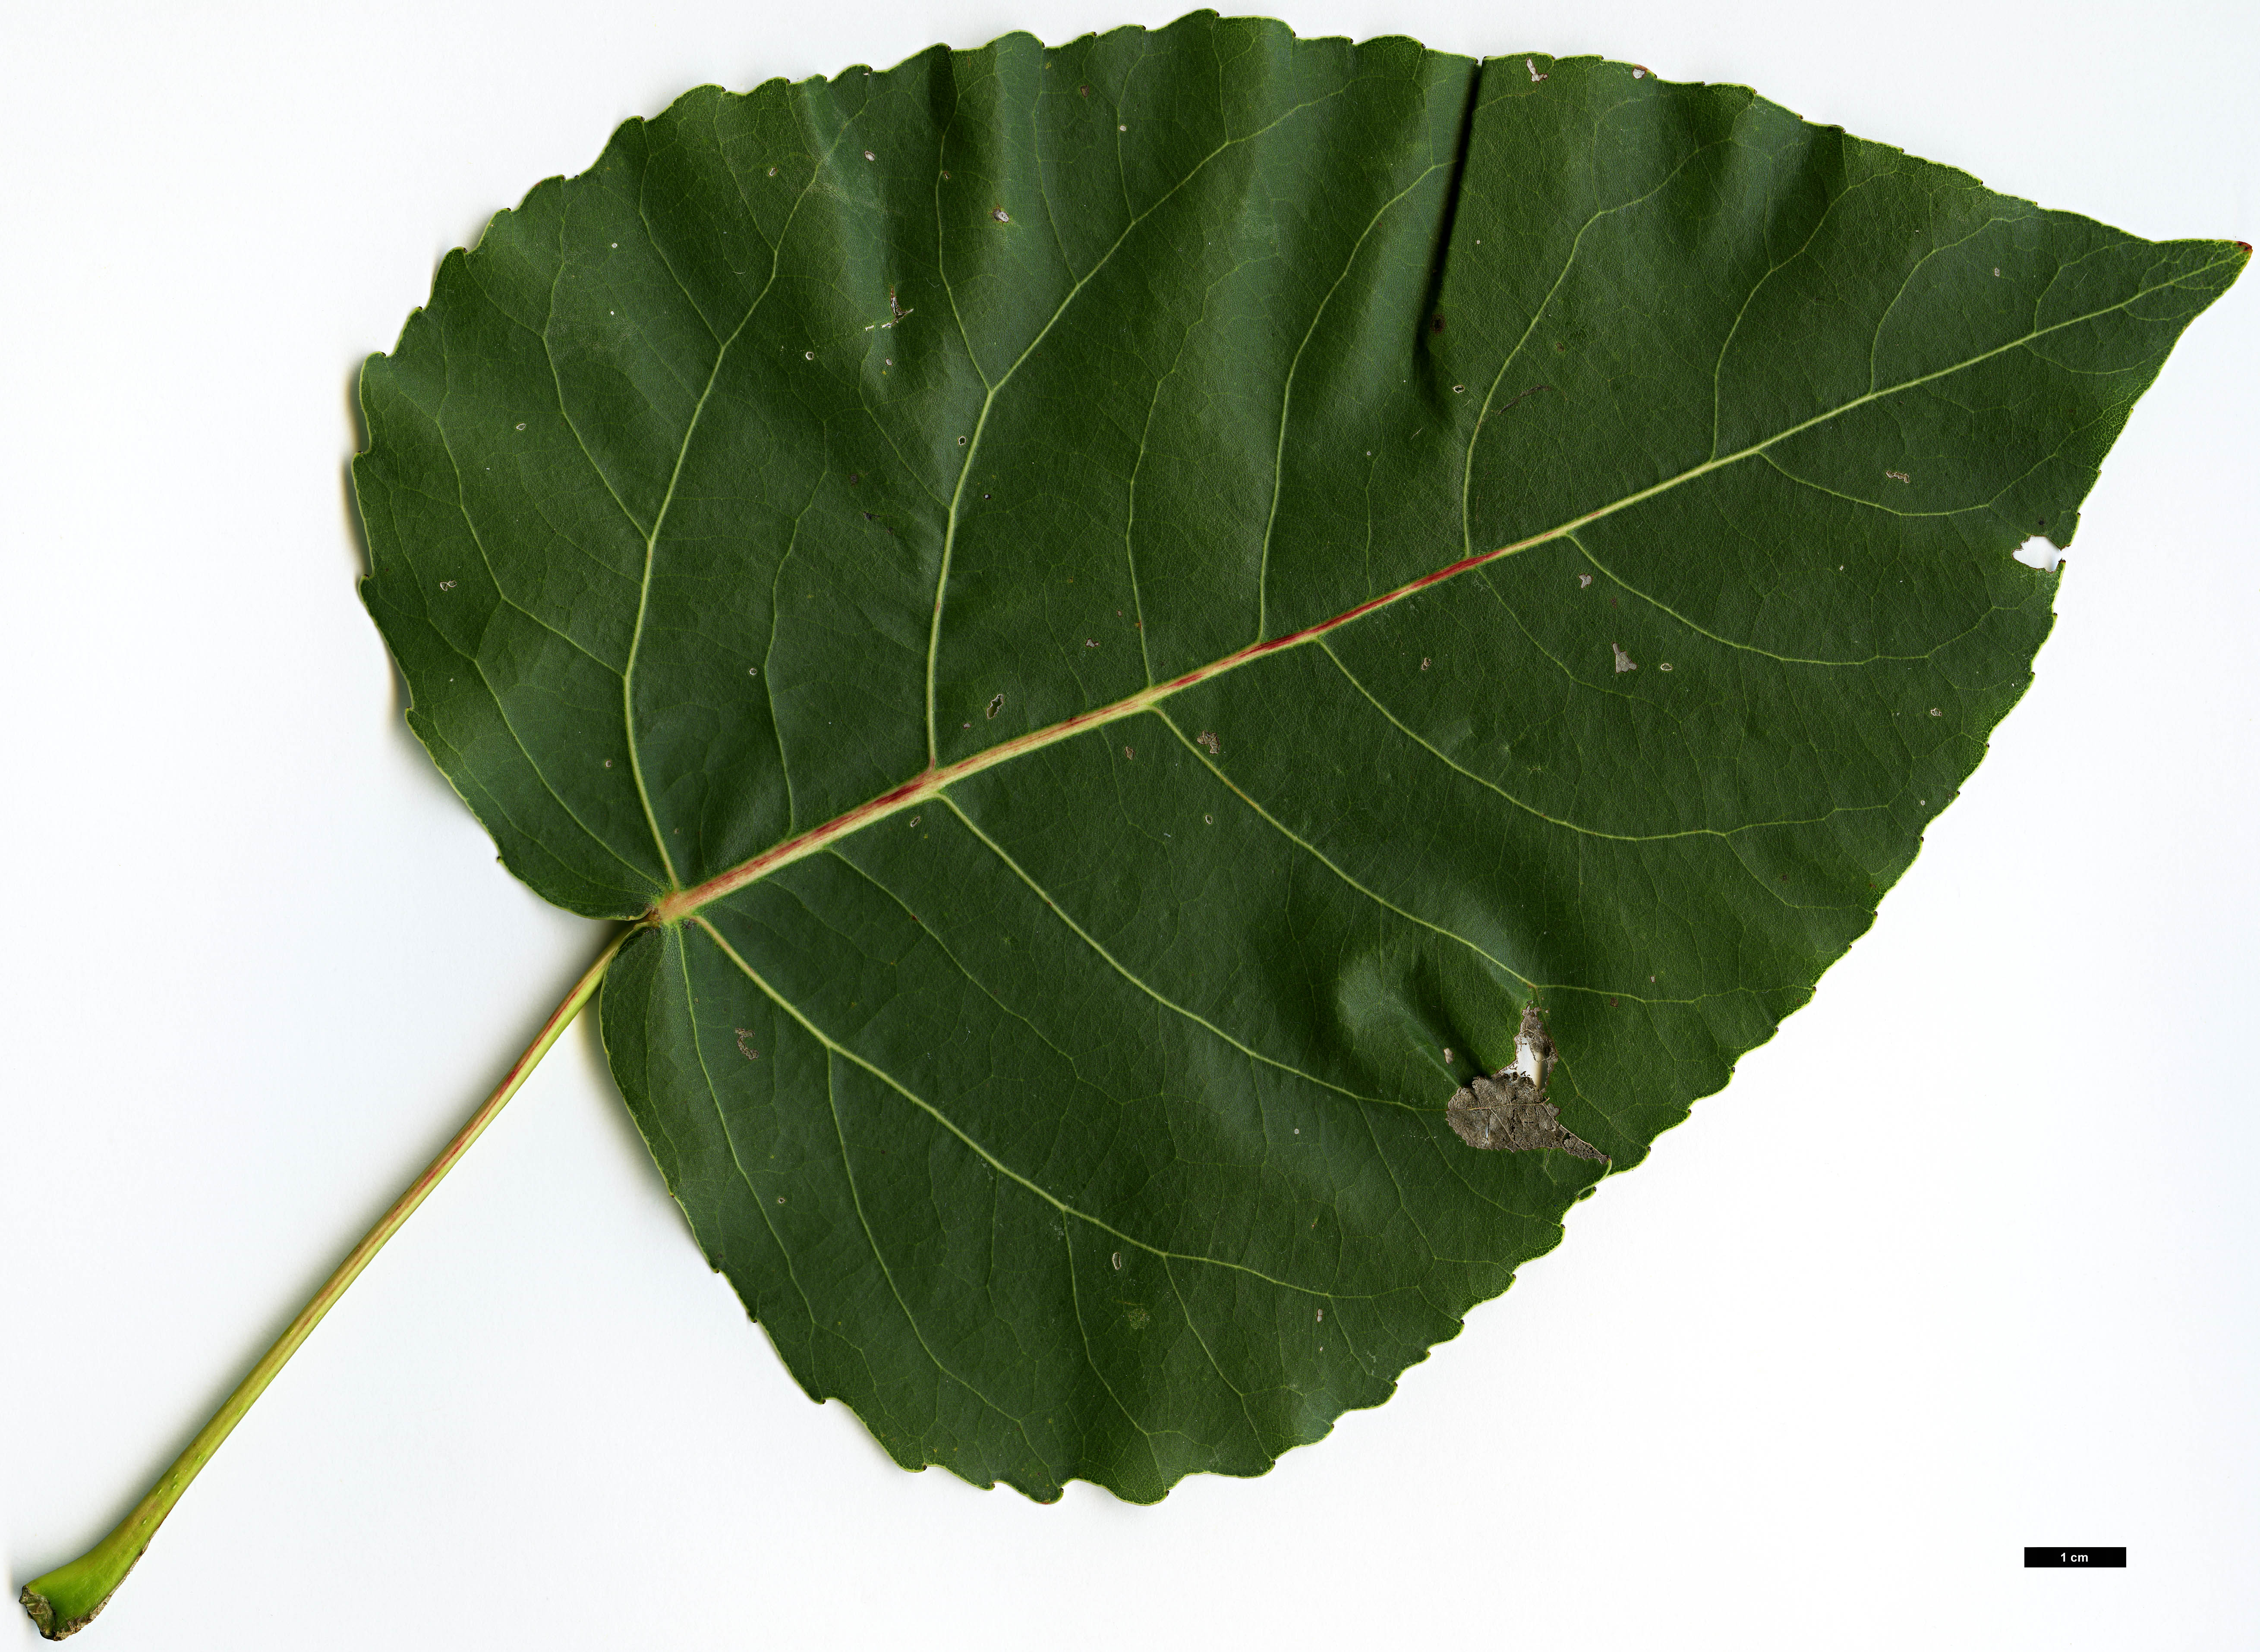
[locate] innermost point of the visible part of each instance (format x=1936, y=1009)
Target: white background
x=1963, y=1260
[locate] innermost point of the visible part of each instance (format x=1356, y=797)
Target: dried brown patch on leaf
x=1503, y=1113
x=1507, y=1112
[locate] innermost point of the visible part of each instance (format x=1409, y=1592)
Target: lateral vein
x=987, y=1157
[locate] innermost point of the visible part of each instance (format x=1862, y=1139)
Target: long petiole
x=65, y=1601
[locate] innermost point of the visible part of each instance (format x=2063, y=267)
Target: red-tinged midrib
x=934, y=780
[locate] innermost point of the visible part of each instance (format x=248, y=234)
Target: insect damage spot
x=1534, y=75
x=1000, y=215
x=2038, y=551
x=1583, y=579
x=745, y=1046
x=1624, y=660
x=1215, y=749
x=996, y=704
x=1508, y=1112
x=1898, y=475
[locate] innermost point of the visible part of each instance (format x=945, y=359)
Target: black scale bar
x=2075, y=1558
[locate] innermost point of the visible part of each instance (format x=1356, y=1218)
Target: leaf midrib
x=937, y=777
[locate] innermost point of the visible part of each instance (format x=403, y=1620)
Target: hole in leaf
x=2038, y=551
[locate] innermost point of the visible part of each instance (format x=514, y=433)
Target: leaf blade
x=1658, y=792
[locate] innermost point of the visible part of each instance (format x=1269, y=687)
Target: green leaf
x=1120, y=614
